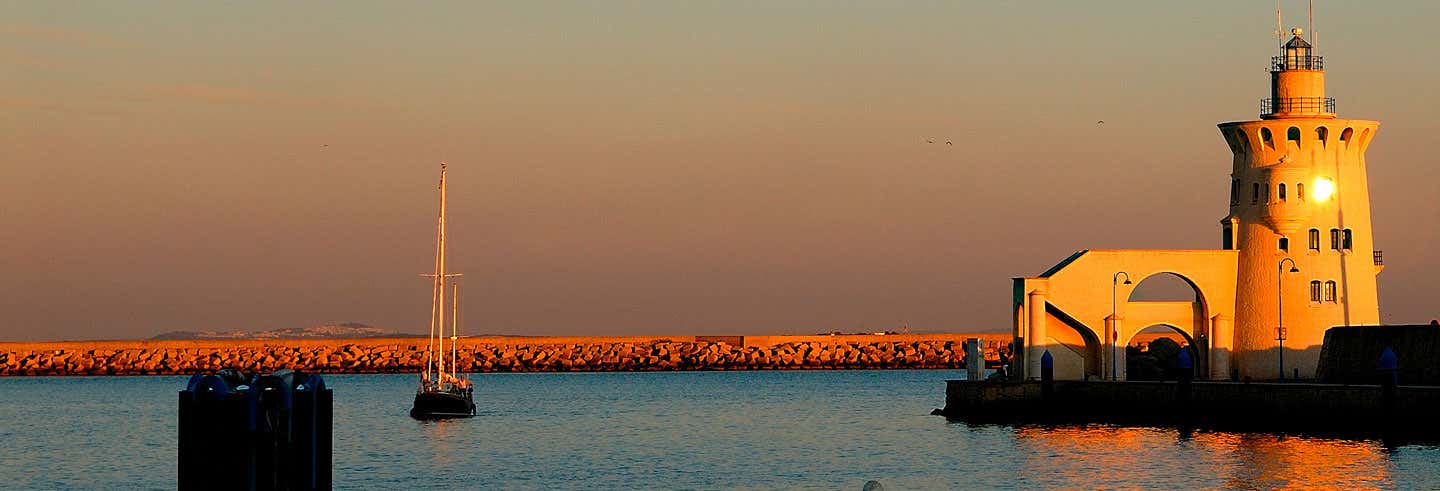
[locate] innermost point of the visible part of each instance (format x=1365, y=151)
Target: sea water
x=679, y=430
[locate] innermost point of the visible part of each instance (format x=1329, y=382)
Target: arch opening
x=1153, y=353
x=1165, y=287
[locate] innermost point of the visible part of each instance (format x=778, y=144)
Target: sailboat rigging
x=443, y=391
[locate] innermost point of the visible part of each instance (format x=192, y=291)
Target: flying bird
x=947, y=142
x=1100, y=122
x=929, y=140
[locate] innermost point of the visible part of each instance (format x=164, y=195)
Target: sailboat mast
x=440, y=281
x=454, y=328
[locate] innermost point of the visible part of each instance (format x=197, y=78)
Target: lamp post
x=1115, y=331
x=1280, y=308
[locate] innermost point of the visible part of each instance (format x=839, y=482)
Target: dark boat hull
x=442, y=405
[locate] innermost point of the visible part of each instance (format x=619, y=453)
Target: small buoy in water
x=873, y=486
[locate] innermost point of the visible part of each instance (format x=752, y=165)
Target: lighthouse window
x=1322, y=133
x=1267, y=192
x=1345, y=240
x=1282, y=192
x=1345, y=135
x=1335, y=238
x=1255, y=193
x=1227, y=238
x=1293, y=134
x=1267, y=138
x=1314, y=237
x=1234, y=192
x=1300, y=191
x=1330, y=291
x=1315, y=291
x=1285, y=244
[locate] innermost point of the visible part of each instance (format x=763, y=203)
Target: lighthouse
x=1296, y=255
x=1299, y=219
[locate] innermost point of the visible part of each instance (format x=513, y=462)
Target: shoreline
x=483, y=354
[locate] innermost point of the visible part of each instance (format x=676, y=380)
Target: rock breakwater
x=481, y=355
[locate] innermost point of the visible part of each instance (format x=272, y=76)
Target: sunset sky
x=650, y=167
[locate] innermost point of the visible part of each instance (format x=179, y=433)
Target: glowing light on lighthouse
x=1324, y=187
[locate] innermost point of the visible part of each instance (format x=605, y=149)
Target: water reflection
x=1163, y=457
x=438, y=437
x=1271, y=461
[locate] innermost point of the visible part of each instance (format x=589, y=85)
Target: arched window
x=1227, y=238
x=1282, y=192
x=1315, y=291
x=1322, y=133
x=1293, y=134
x=1345, y=135
x=1345, y=242
x=1267, y=192
x=1234, y=192
x=1285, y=244
x=1300, y=191
x=1314, y=241
x=1267, y=138
x=1335, y=239
x=1330, y=291
x=1255, y=193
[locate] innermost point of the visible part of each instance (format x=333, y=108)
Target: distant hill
x=326, y=331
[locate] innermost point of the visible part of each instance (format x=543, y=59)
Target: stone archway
x=1172, y=300
x=1152, y=353
x=1089, y=290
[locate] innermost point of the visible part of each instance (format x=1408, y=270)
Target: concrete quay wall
x=1351, y=354
x=497, y=354
x=1306, y=407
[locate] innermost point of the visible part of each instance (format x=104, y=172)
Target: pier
x=1271, y=407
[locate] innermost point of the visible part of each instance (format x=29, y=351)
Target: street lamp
x=1280, y=308
x=1114, y=331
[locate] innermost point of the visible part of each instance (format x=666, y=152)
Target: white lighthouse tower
x=1299, y=220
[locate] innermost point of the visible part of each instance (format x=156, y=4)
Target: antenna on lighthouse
x=1311, y=20
x=1279, y=27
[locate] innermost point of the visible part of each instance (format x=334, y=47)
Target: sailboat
x=443, y=391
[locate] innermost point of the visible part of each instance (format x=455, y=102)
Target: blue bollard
x=1183, y=360
x=1388, y=360
x=1185, y=369
x=1389, y=368
x=1047, y=376
x=1389, y=379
